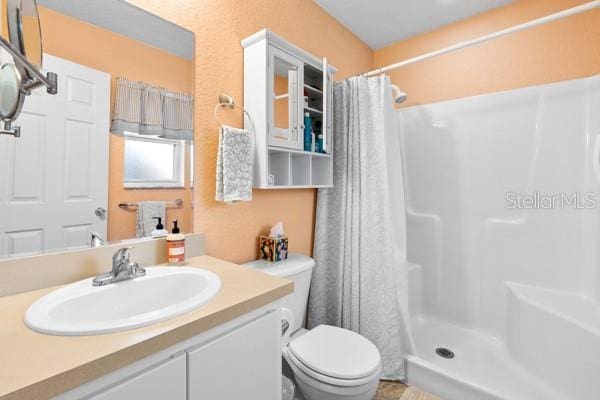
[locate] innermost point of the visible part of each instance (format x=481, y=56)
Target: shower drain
x=444, y=353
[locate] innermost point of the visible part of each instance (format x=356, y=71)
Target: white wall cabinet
x=240, y=359
x=282, y=82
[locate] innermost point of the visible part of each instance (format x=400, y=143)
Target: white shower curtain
x=360, y=281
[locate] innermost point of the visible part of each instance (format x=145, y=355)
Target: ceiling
x=128, y=20
x=382, y=22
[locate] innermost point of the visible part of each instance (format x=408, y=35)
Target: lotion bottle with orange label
x=176, y=247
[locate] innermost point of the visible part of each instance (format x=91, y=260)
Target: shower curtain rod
x=540, y=21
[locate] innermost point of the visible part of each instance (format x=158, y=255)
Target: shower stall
x=503, y=228
x=501, y=235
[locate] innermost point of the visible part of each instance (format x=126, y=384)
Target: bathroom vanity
x=229, y=348
x=80, y=166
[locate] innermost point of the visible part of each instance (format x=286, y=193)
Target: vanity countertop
x=37, y=366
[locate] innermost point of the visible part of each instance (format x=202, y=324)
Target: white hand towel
x=234, y=165
x=145, y=222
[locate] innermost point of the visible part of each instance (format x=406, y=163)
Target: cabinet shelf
x=295, y=169
x=297, y=187
x=313, y=110
x=313, y=90
x=274, y=149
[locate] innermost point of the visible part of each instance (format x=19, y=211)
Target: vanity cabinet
x=240, y=359
x=282, y=83
x=165, y=381
x=243, y=364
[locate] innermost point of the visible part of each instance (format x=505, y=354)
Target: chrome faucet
x=122, y=269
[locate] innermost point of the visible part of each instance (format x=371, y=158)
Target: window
x=152, y=162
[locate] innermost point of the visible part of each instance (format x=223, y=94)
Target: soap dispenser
x=159, y=231
x=176, y=246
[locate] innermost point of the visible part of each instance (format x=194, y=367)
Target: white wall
x=462, y=157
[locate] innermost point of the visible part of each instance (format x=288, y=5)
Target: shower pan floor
x=481, y=369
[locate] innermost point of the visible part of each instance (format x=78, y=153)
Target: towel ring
x=226, y=100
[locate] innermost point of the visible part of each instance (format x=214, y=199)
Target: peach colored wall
x=232, y=230
x=118, y=55
x=561, y=50
x=3, y=21
x=4, y=56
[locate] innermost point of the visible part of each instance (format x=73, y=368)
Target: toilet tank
x=297, y=268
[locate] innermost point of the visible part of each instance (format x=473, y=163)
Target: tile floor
x=390, y=390
x=399, y=391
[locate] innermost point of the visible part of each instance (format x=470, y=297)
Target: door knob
x=100, y=212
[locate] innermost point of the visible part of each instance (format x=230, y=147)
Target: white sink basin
x=83, y=309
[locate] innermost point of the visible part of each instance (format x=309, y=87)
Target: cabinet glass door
x=285, y=82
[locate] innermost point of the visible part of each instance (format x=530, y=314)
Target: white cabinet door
x=164, y=382
x=327, y=109
x=284, y=94
x=243, y=364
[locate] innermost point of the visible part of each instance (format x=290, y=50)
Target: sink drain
x=444, y=353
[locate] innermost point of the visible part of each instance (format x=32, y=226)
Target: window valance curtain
x=149, y=110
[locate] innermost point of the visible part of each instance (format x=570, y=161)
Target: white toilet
x=329, y=363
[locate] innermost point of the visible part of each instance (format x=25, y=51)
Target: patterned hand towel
x=145, y=222
x=234, y=165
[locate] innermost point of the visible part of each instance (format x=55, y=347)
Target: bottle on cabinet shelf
x=319, y=143
x=319, y=137
x=308, y=134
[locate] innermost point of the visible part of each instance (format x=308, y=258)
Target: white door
x=55, y=176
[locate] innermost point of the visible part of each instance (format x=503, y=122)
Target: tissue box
x=273, y=248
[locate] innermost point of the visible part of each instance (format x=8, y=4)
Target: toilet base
x=311, y=389
x=314, y=390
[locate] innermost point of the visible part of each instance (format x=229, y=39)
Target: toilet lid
x=336, y=352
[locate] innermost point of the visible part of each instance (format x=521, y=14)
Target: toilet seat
x=336, y=356
x=297, y=364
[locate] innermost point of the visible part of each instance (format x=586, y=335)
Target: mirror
x=21, y=46
x=25, y=33
x=105, y=154
x=10, y=93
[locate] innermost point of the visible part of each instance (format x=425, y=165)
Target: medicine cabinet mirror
x=85, y=161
